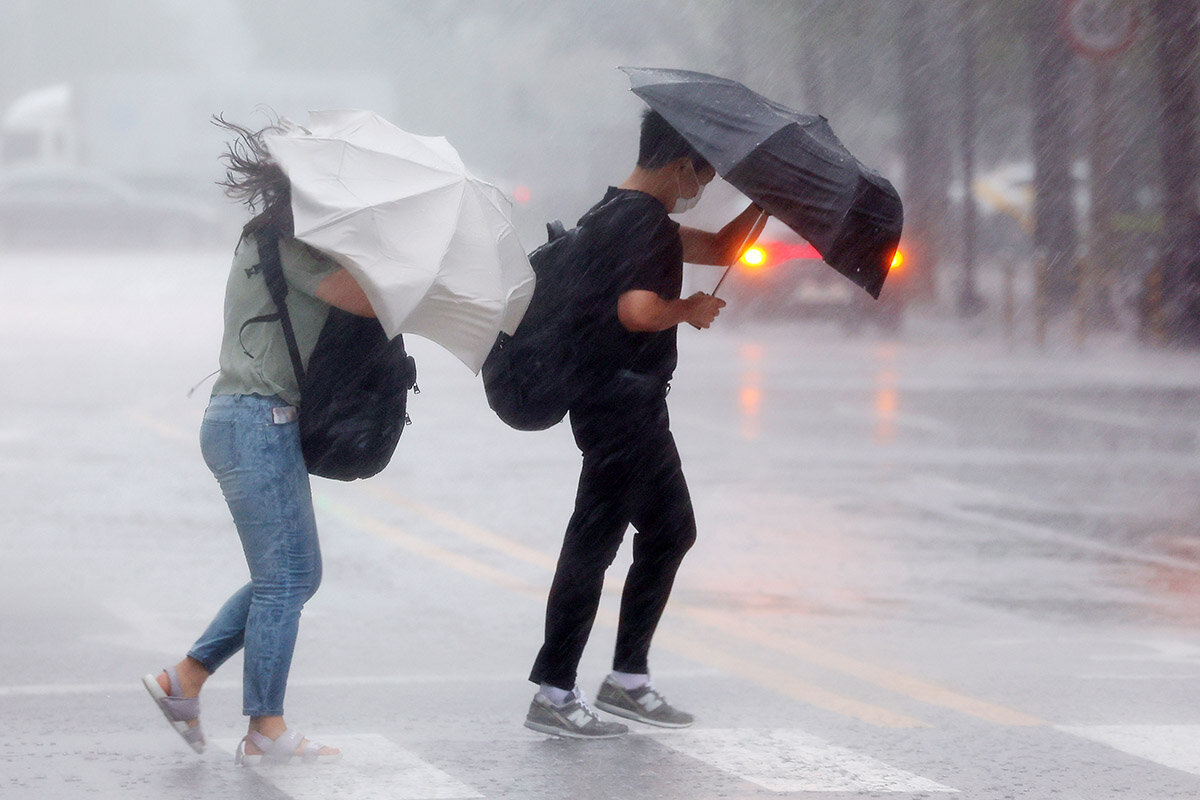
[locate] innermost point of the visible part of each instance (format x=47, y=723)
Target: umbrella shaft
x=738, y=254
x=724, y=275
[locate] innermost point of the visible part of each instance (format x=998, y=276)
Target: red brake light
x=754, y=257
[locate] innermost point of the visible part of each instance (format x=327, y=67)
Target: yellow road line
x=768, y=677
x=164, y=429
x=914, y=688
x=421, y=547
x=466, y=529
x=785, y=683
x=871, y=673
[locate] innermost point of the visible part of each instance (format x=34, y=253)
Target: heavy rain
x=947, y=540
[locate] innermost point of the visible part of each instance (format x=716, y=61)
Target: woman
x=250, y=441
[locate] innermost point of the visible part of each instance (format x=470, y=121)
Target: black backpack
x=354, y=395
x=556, y=355
x=531, y=378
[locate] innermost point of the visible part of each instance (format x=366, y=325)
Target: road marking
x=785, y=683
x=419, y=546
x=1083, y=413
x=1174, y=746
x=774, y=679
x=371, y=767
x=345, y=681
x=929, y=454
x=906, y=419
x=794, y=761
x=162, y=428
x=738, y=627
x=466, y=529
x=871, y=673
x=914, y=499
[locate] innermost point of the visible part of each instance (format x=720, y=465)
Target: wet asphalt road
x=936, y=566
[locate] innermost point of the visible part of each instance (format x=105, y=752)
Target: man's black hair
x=661, y=144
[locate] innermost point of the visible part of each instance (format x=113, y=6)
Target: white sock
x=557, y=696
x=629, y=680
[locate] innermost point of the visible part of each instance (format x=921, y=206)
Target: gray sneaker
x=575, y=720
x=644, y=705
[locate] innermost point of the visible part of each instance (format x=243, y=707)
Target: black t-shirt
x=630, y=243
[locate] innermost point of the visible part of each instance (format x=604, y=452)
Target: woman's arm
x=341, y=290
x=723, y=247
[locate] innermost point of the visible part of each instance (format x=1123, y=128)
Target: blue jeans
x=260, y=467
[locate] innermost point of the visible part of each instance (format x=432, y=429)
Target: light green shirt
x=255, y=360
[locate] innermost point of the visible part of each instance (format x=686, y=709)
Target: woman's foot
x=175, y=690
x=270, y=737
x=191, y=680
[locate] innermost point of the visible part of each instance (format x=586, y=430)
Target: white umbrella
x=432, y=246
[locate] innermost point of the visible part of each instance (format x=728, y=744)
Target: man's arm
x=722, y=248
x=643, y=311
x=341, y=290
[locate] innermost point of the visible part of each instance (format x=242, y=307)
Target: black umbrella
x=788, y=163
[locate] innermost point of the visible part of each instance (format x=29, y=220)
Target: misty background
x=962, y=553
x=934, y=95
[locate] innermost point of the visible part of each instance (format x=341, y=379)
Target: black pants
x=631, y=474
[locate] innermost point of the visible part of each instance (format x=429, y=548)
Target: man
x=632, y=275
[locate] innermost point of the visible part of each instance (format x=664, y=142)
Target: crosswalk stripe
x=372, y=767
x=1174, y=746
x=794, y=761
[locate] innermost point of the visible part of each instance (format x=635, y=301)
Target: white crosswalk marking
x=371, y=767
x=1175, y=746
x=794, y=761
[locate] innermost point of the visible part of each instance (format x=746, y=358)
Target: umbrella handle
x=754, y=229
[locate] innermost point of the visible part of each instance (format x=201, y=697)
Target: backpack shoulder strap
x=272, y=271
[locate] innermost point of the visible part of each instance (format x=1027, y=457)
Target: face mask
x=686, y=203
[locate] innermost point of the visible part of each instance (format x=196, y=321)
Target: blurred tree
x=924, y=140
x=1177, y=28
x=1051, y=92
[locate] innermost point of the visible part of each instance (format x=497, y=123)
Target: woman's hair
x=660, y=144
x=255, y=179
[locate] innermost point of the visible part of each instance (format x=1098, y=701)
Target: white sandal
x=178, y=710
x=282, y=750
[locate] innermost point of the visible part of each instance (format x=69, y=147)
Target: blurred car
x=782, y=276
x=79, y=207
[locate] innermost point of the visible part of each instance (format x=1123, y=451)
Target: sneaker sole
x=633, y=715
x=566, y=734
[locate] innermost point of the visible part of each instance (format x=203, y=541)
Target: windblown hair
x=660, y=144
x=256, y=180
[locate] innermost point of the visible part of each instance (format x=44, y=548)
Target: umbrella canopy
x=432, y=246
x=789, y=163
